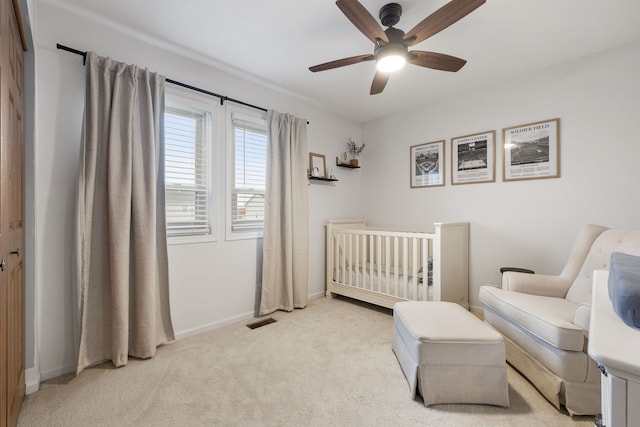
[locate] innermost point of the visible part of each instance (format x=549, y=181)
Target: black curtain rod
x=197, y=89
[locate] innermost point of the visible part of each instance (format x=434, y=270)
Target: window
x=248, y=172
x=188, y=182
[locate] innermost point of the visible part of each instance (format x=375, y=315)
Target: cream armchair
x=545, y=319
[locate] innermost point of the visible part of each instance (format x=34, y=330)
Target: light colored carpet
x=330, y=364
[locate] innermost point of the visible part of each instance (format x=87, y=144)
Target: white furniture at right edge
x=616, y=348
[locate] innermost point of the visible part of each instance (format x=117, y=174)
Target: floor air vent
x=262, y=322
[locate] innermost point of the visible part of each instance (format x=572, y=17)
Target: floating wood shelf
x=321, y=178
x=346, y=165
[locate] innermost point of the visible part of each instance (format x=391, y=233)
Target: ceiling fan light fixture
x=391, y=60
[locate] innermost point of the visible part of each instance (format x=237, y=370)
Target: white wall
x=211, y=283
x=521, y=223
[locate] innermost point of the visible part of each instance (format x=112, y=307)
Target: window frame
x=252, y=115
x=177, y=96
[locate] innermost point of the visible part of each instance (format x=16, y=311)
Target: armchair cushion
x=535, y=284
x=548, y=318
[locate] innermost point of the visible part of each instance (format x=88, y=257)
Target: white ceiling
x=277, y=40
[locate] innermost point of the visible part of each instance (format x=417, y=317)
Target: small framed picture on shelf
x=317, y=165
x=473, y=158
x=531, y=151
x=427, y=164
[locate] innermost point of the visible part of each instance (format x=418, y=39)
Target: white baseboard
x=229, y=320
x=32, y=380
x=214, y=325
x=58, y=372
x=317, y=295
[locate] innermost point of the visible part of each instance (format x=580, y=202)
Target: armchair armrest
x=535, y=284
x=517, y=269
x=582, y=317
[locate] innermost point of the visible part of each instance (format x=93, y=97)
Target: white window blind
x=187, y=181
x=249, y=173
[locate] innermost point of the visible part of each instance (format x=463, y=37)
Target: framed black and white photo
x=473, y=158
x=427, y=164
x=531, y=151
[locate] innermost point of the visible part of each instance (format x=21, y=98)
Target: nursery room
x=292, y=234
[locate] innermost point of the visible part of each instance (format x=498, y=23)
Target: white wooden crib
x=383, y=266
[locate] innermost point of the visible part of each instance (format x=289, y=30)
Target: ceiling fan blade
x=448, y=14
x=437, y=61
x=362, y=19
x=379, y=82
x=341, y=62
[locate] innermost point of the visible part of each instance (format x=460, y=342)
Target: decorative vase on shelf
x=355, y=151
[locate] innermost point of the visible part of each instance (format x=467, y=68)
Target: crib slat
x=345, y=254
x=379, y=262
x=414, y=271
x=425, y=269
x=405, y=267
x=354, y=259
x=337, y=257
x=364, y=254
x=370, y=259
x=396, y=245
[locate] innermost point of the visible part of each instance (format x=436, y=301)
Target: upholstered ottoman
x=449, y=355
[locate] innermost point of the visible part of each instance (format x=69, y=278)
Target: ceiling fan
x=391, y=50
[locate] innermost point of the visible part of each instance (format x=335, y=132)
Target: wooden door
x=12, y=383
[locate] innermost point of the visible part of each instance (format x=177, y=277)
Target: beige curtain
x=285, y=261
x=122, y=267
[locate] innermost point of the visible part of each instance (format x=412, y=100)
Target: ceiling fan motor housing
x=395, y=43
x=390, y=14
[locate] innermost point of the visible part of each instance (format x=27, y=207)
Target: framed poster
x=531, y=151
x=473, y=158
x=427, y=164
